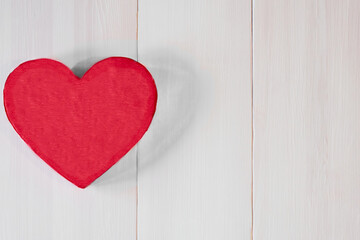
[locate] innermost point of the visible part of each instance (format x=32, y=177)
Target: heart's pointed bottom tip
x=82, y=185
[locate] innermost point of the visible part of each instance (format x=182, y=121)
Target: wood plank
x=195, y=161
x=35, y=202
x=307, y=115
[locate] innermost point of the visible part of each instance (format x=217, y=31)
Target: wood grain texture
x=35, y=202
x=307, y=115
x=194, y=176
x=195, y=161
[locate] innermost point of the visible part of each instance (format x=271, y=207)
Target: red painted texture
x=80, y=127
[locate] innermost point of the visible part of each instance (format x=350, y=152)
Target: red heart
x=80, y=127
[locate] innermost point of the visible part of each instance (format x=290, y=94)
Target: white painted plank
x=195, y=161
x=35, y=202
x=307, y=115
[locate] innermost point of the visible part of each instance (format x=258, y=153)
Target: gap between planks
x=252, y=115
x=137, y=147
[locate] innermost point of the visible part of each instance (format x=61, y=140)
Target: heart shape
x=80, y=127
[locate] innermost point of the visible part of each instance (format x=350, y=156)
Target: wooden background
x=256, y=135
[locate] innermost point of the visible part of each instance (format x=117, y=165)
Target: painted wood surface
x=195, y=161
x=190, y=177
x=307, y=118
x=35, y=202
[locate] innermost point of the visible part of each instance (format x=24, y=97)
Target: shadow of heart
x=179, y=96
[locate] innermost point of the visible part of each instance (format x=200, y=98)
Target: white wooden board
x=191, y=175
x=195, y=161
x=35, y=202
x=307, y=119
